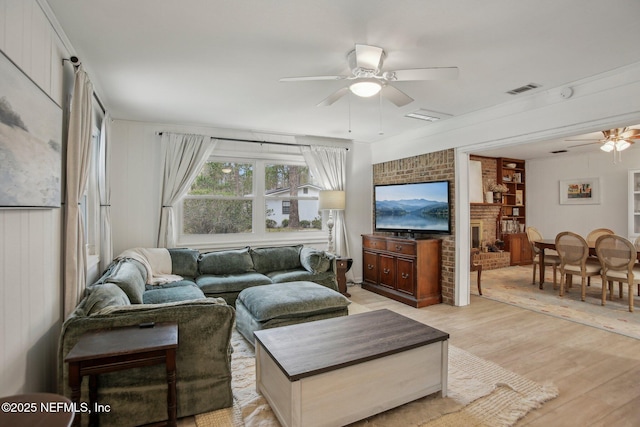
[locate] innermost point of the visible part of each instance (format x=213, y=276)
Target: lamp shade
x=331, y=199
x=366, y=88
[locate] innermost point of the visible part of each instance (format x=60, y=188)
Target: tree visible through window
x=225, y=198
x=220, y=200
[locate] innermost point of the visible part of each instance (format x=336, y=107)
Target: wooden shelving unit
x=511, y=172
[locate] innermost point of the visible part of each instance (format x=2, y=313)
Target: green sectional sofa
x=202, y=304
x=226, y=273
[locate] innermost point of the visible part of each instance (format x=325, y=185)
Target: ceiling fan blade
x=334, y=97
x=630, y=134
x=368, y=57
x=435, y=73
x=311, y=78
x=396, y=96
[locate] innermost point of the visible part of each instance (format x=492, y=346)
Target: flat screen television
x=422, y=207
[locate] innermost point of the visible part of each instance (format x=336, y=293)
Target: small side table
x=109, y=350
x=343, y=265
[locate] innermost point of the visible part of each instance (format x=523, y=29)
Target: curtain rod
x=75, y=61
x=254, y=141
x=104, y=111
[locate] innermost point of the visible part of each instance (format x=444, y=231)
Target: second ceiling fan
x=367, y=78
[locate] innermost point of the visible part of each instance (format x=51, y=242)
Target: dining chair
x=594, y=234
x=573, y=251
x=476, y=266
x=591, y=241
x=618, y=258
x=551, y=259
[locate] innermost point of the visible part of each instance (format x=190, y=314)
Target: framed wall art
x=30, y=142
x=584, y=191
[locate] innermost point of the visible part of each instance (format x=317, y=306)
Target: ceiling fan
x=614, y=139
x=367, y=78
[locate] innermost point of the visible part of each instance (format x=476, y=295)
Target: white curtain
x=328, y=165
x=184, y=157
x=104, y=187
x=77, y=171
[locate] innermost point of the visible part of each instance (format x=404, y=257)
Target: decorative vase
x=497, y=197
x=489, y=197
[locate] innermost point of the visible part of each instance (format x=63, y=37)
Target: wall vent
x=524, y=88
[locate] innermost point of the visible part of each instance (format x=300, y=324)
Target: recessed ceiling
x=217, y=63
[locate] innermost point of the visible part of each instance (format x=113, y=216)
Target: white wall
x=30, y=254
x=136, y=181
x=544, y=210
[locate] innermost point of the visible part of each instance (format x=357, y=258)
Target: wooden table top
x=122, y=341
x=312, y=348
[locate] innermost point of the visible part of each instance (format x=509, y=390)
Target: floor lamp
x=330, y=200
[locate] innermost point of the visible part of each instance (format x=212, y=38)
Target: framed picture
x=584, y=191
x=30, y=142
x=519, y=198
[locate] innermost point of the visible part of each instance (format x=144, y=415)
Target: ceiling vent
x=525, y=88
x=426, y=115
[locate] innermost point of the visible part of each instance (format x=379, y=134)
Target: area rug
x=513, y=286
x=480, y=393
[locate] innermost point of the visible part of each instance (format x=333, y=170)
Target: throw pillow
x=127, y=276
x=314, y=260
x=184, y=262
x=235, y=261
x=266, y=260
x=106, y=295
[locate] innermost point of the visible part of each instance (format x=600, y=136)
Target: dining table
x=551, y=244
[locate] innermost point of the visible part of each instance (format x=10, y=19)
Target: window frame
x=259, y=235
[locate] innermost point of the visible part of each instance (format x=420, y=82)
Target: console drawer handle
x=386, y=271
x=370, y=266
x=398, y=248
x=405, y=275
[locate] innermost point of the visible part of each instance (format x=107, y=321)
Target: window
x=220, y=200
x=245, y=200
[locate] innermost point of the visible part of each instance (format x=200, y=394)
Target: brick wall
x=438, y=166
x=489, y=216
x=493, y=260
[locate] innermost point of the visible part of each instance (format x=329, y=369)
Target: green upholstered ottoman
x=282, y=304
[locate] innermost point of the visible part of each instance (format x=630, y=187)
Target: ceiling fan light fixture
x=622, y=144
x=365, y=88
x=607, y=147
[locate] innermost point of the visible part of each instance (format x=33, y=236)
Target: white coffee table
x=338, y=371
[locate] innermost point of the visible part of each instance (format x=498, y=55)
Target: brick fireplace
x=484, y=231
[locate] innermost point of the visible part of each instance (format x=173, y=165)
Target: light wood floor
x=597, y=372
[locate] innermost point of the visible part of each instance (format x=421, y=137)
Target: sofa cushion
x=105, y=295
x=126, y=274
x=292, y=299
x=178, y=293
x=212, y=285
x=183, y=282
x=314, y=260
x=184, y=262
x=235, y=261
x=266, y=260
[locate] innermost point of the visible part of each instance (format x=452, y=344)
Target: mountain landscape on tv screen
x=415, y=207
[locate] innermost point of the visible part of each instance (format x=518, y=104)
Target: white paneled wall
x=30, y=248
